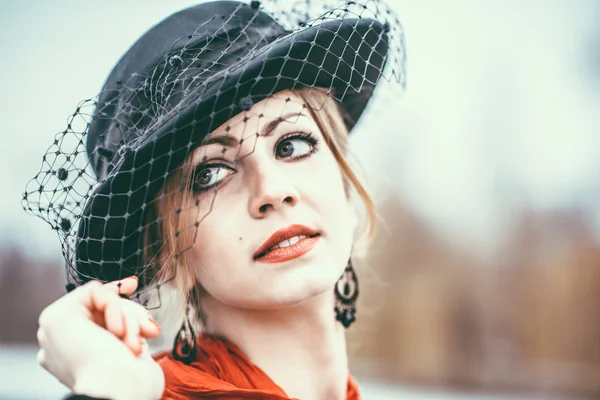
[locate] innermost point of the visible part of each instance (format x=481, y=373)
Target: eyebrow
x=231, y=141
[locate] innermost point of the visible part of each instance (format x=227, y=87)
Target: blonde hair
x=167, y=258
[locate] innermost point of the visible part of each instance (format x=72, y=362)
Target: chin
x=289, y=292
x=302, y=284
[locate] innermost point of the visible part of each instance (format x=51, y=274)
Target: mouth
x=287, y=243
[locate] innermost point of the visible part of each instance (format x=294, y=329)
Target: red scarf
x=221, y=371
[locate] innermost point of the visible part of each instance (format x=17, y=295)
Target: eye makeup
x=292, y=146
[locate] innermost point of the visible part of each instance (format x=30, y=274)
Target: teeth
x=289, y=242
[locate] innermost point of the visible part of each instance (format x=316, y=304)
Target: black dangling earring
x=346, y=293
x=184, y=347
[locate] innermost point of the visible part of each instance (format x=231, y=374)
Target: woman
x=218, y=146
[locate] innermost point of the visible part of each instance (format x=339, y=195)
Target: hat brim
x=345, y=55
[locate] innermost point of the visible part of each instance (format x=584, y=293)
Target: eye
x=208, y=176
x=296, y=146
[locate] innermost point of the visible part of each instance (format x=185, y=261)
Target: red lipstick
x=286, y=244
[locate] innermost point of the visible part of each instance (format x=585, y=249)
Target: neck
x=301, y=348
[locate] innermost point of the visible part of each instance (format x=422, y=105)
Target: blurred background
x=483, y=281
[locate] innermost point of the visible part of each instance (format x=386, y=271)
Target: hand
x=93, y=341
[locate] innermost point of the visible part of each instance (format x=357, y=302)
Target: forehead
x=263, y=112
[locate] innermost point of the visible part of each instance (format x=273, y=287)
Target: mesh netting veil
x=117, y=184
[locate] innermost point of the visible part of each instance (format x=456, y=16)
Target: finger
x=149, y=328
x=41, y=358
x=101, y=296
x=118, y=310
x=97, y=317
x=126, y=286
x=95, y=294
x=41, y=337
x=114, y=319
x=82, y=294
x=132, y=330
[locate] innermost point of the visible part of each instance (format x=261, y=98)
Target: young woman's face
x=268, y=170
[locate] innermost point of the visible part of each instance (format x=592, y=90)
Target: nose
x=271, y=189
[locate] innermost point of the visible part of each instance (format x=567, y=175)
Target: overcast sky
x=502, y=106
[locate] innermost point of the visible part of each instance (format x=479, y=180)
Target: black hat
x=181, y=80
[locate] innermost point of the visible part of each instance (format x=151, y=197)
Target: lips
x=270, y=251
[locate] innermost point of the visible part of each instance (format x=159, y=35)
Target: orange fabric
x=221, y=371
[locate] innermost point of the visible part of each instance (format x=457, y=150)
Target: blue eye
x=295, y=146
x=208, y=176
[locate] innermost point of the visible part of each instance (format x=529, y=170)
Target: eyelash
x=305, y=136
x=200, y=168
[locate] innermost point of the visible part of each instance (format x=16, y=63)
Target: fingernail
x=134, y=277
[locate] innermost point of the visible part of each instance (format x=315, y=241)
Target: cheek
x=332, y=205
x=221, y=259
x=216, y=237
x=221, y=250
x=328, y=186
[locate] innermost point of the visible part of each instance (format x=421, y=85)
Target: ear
x=186, y=279
x=189, y=285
